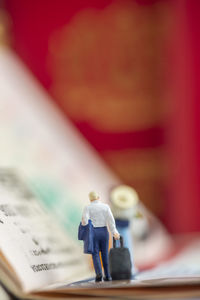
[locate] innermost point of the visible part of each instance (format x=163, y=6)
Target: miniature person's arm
x=85, y=216
x=111, y=224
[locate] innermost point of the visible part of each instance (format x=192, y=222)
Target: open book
x=38, y=260
x=46, y=172
x=35, y=251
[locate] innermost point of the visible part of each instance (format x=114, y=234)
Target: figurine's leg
x=104, y=252
x=95, y=256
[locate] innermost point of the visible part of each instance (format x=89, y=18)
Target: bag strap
x=121, y=242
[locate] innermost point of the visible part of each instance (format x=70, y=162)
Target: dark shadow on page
x=81, y=281
x=9, y=293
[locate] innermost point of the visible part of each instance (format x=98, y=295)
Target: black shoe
x=106, y=278
x=98, y=278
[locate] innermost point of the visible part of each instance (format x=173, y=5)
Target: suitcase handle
x=121, y=242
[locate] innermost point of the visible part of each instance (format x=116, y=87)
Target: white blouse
x=100, y=215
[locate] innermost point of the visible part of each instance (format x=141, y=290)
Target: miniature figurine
x=101, y=216
x=124, y=200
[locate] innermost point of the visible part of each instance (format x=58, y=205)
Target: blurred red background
x=126, y=74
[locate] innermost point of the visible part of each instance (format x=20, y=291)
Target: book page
x=31, y=240
x=183, y=268
x=59, y=165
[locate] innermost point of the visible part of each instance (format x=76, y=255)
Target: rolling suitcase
x=120, y=261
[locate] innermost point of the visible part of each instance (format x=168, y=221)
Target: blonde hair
x=93, y=196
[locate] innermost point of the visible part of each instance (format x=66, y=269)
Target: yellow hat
x=124, y=197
